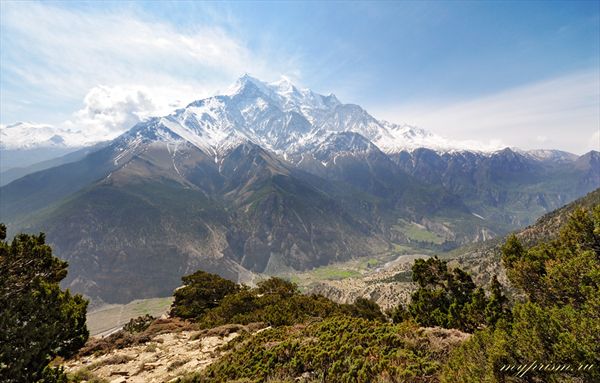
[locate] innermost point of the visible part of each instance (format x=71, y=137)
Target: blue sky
x=522, y=73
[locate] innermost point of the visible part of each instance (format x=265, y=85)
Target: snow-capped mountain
x=278, y=116
x=26, y=146
x=284, y=119
x=29, y=135
x=548, y=155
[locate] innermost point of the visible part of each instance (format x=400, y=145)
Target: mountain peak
x=284, y=87
x=279, y=115
x=288, y=120
x=284, y=82
x=246, y=82
x=27, y=135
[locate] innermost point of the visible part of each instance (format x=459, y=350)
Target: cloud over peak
x=65, y=53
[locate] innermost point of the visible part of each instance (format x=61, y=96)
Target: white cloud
x=63, y=54
x=561, y=113
x=124, y=66
x=106, y=113
x=109, y=111
x=112, y=108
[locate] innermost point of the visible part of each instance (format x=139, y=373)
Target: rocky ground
x=152, y=358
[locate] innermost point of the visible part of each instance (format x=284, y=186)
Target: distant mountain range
x=483, y=259
x=25, y=144
x=271, y=178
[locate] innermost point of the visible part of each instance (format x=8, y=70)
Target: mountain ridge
x=271, y=179
x=322, y=113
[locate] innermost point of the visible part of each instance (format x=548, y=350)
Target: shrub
x=139, y=324
x=450, y=299
x=366, y=308
x=214, y=301
x=337, y=349
x=201, y=292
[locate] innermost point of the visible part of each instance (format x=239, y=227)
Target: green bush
x=201, y=292
x=249, y=305
x=275, y=301
x=366, y=308
x=38, y=320
x=450, y=299
x=337, y=349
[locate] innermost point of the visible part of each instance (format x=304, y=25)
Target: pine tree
x=559, y=319
x=497, y=305
x=38, y=320
x=446, y=298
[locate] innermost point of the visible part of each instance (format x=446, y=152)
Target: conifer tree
x=201, y=292
x=38, y=320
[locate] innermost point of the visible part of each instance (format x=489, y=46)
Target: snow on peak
x=247, y=82
x=284, y=86
x=327, y=114
x=347, y=141
x=284, y=94
x=289, y=120
x=548, y=155
x=28, y=135
x=279, y=116
x=408, y=137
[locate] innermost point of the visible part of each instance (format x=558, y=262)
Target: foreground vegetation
x=336, y=349
x=38, y=320
x=555, y=325
x=451, y=331
x=555, y=321
x=212, y=301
